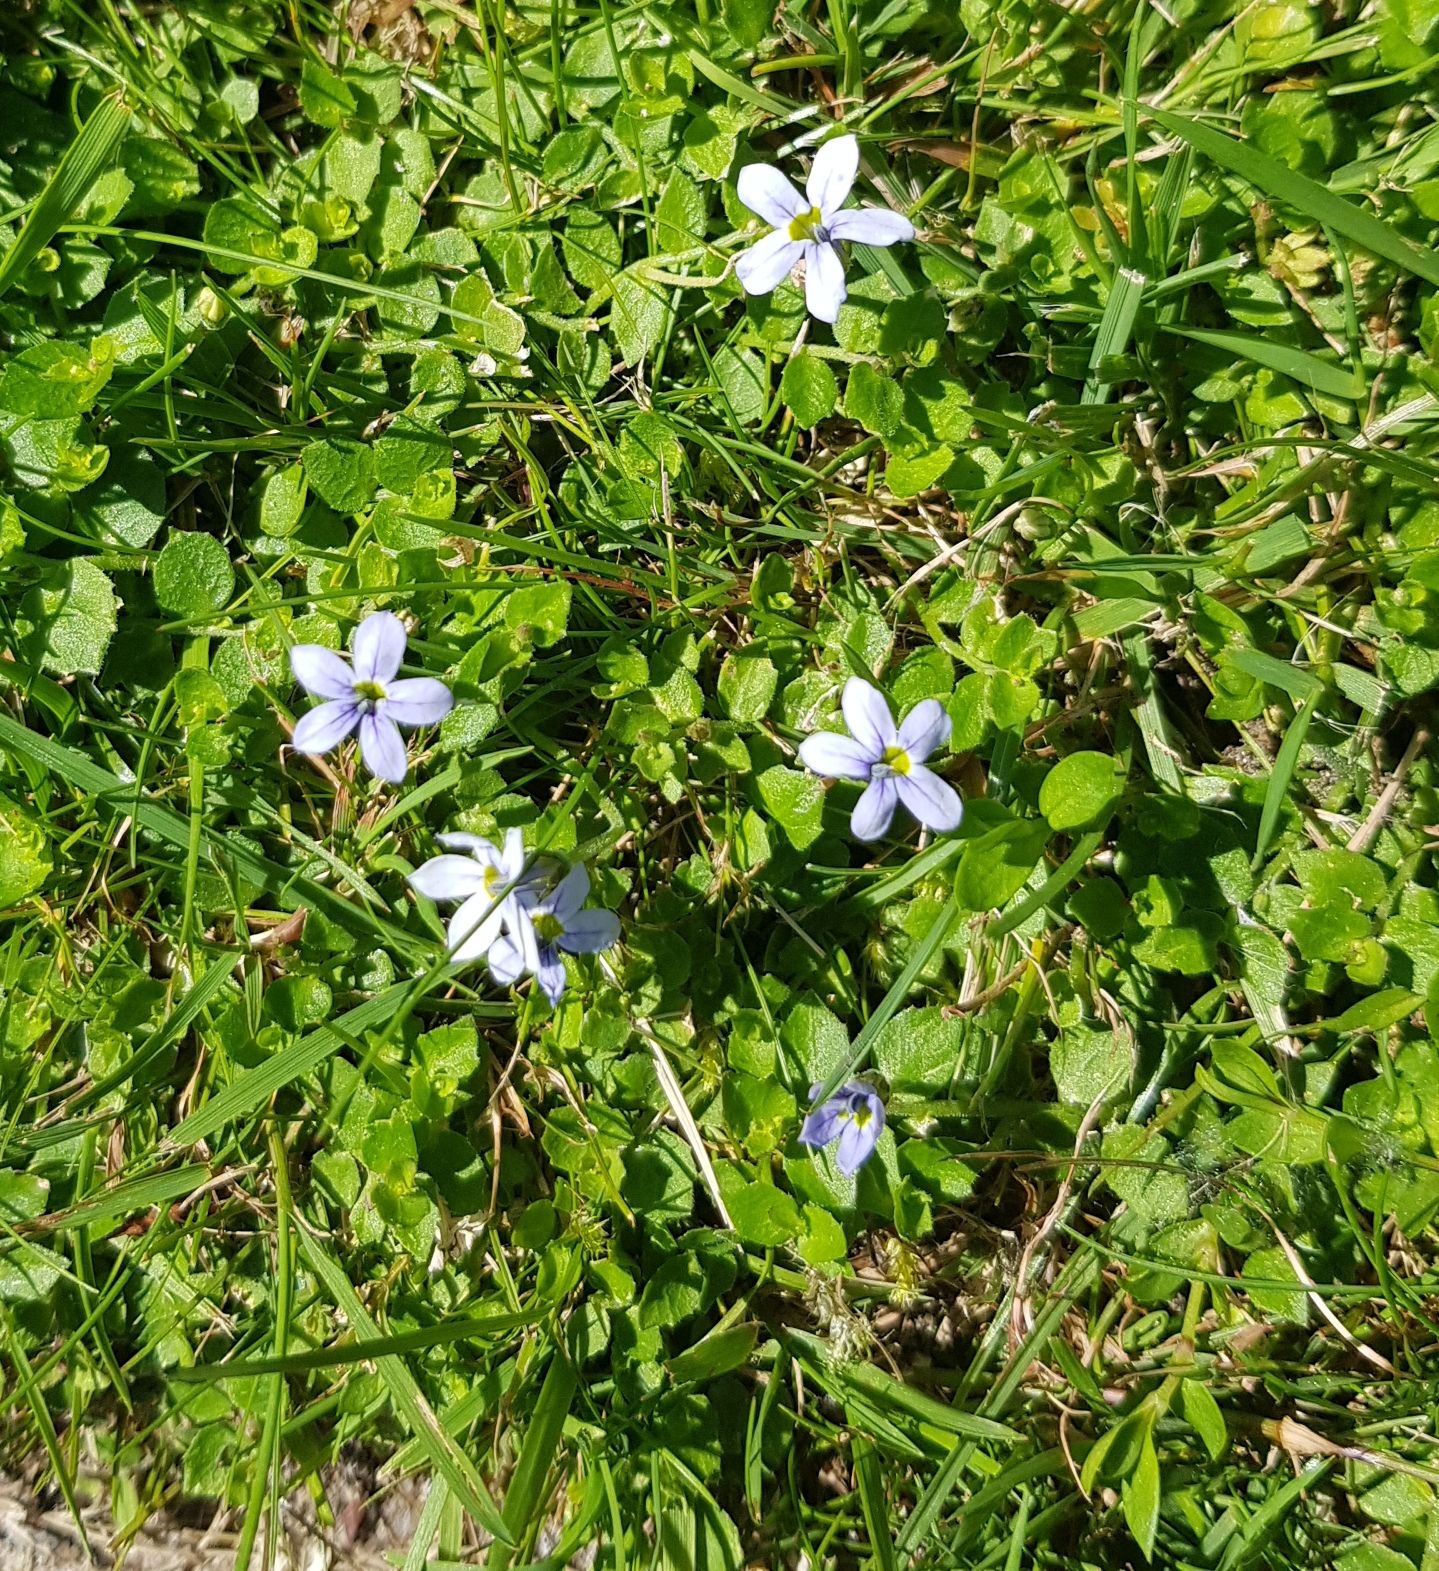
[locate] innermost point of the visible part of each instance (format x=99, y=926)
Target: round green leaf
x=1081, y=790
x=809, y=389
x=193, y=576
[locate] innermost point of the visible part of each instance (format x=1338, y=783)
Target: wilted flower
x=491, y=882
x=890, y=758
x=553, y=922
x=363, y=692
x=810, y=226
x=855, y=1116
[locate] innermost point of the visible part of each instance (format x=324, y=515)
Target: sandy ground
x=36, y=1535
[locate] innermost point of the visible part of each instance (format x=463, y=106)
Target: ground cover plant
x=716, y=778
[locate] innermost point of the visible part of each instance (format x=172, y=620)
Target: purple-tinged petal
x=831, y=176
x=871, y=226
x=567, y=899
x=474, y=928
x=325, y=726
x=765, y=191
x=482, y=848
x=321, y=671
x=551, y=975
x=448, y=878
x=767, y=263
x=383, y=749
x=588, y=932
x=507, y=961
x=824, y=291
x=856, y=1144
x=932, y=801
x=923, y=729
x=865, y=1096
x=821, y=1125
x=867, y=715
x=418, y=700
x=836, y=757
x=378, y=647
x=874, y=810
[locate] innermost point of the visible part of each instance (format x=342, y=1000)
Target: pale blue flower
x=363, y=693
x=854, y=1116
x=889, y=757
x=810, y=226
x=553, y=924
x=490, y=882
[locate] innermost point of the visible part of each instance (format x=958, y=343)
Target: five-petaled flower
x=891, y=758
x=810, y=226
x=555, y=921
x=855, y=1116
x=491, y=882
x=363, y=693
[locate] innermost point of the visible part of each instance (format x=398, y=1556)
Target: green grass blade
x=256, y=1086
x=1306, y=196
x=73, y=767
x=1297, y=364
x=1116, y=327
x=1285, y=763
x=84, y=160
x=35, y=1401
x=462, y=1330
x=119, y=1201
x=525, y=1498
x=459, y=1473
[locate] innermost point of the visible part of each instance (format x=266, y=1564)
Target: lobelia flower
x=810, y=226
x=855, y=1116
x=491, y=882
x=362, y=692
x=891, y=758
x=555, y=923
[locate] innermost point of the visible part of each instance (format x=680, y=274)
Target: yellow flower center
x=369, y=692
x=548, y=927
x=803, y=225
x=896, y=759
x=492, y=880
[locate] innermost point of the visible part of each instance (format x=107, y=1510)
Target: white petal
x=824, y=289
x=418, y=700
x=588, y=932
x=831, y=178
x=507, y=963
x=836, y=757
x=766, y=265
x=378, y=647
x=871, y=226
x=933, y=802
x=874, y=809
x=923, y=729
x=448, y=878
x=325, y=726
x=383, y=749
x=511, y=860
x=321, y=671
x=866, y=713
x=474, y=928
x=766, y=191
